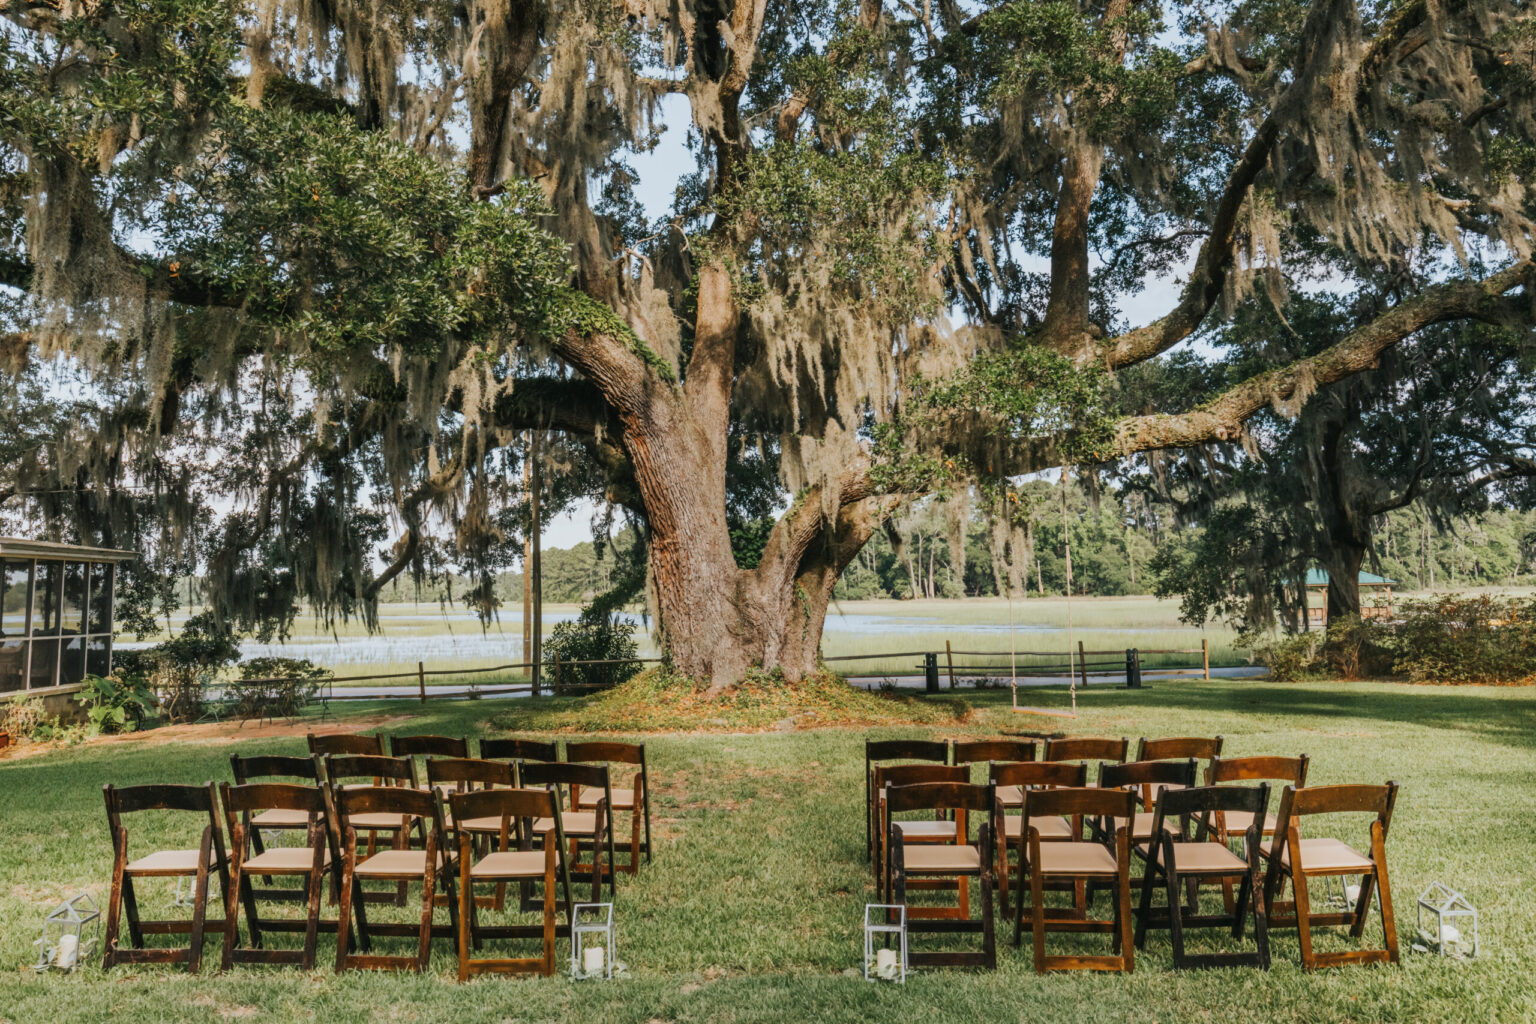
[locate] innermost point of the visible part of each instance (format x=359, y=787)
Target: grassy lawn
x=752, y=909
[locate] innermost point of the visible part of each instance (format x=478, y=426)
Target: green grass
x=751, y=911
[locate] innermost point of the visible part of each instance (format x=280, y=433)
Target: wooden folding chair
x=334, y=743
x=310, y=862
x=635, y=798
x=1075, y=863
x=1174, y=857
x=931, y=830
x=366, y=771
x=513, y=860
x=307, y=771
x=1232, y=828
x=880, y=751
x=195, y=864
x=430, y=866
x=449, y=775
x=1020, y=777
x=969, y=752
x=1298, y=860
x=591, y=829
x=961, y=860
x=517, y=751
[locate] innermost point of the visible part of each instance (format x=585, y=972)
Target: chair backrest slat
x=502, y=803
x=386, y=800
x=1069, y=802
x=153, y=797
x=261, y=796
x=938, y=796
x=398, y=770
x=327, y=744
x=1254, y=769
x=906, y=750
x=1087, y=748
x=912, y=774
x=429, y=746
x=272, y=766
x=513, y=749
x=468, y=771
x=565, y=773
x=1177, y=748
x=1038, y=774
x=1147, y=773
x=605, y=751
x=972, y=751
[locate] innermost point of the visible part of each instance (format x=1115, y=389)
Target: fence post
x=949, y=653
x=421, y=680
x=1132, y=668
x=931, y=671
x=1205, y=656
x=558, y=690
x=1082, y=662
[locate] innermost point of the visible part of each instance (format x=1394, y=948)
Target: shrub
x=27, y=722
x=116, y=703
x=181, y=668
x=1289, y=659
x=276, y=687
x=1456, y=639
x=591, y=638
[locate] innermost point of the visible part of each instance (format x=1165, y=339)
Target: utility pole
x=537, y=484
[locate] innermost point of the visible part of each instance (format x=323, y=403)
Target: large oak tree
x=350, y=250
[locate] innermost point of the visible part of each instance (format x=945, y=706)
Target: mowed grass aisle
x=752, y=909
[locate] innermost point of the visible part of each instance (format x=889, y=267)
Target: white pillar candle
x=592, y=960
x=1352, y=893
x=885, y=963
x=1450, y=935
x=67, y=952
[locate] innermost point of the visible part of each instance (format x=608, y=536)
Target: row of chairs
x=1080, y=837
x=464, y=823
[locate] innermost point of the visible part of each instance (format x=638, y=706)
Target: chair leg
x=1037, y=909
x=1148, y=881
x=1175, y=912
x=1303, y=916
x=549, y=915
x=344, y=913
x=1388, y=922
x=200, y=904
x=466, y=911
x=131, y=910
x=1123, y=944
x=232, y=901
x=114, y=904
x=312, y=907
x=1260, y=917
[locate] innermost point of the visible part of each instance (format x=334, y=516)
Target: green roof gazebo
x=1379, y=588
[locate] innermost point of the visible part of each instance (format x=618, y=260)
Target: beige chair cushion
x=166, y=862
x=940, y=859
x=576, y=823
x=395, y=864
x=1052, y=829
x=930, y=831
x=623, y=799
x=1324, y=855
x=1204, y=859
x=1075, y=859
x=279, y=818
x=375, y=822
x=1238, y=822
x=491, y=825
x=284, y=860
x=510, y=864
x=1141, y=825
x=1011, y=796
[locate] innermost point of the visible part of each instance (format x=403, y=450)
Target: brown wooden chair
x=331, y=743
x=366, y=771
x=634, y=798
x=449, y=775
x=310, y=862
x=1290, y=857
x=306, y=771
x=513, y=859
x=431, y=866
x=1074, y=863
x=931, y=830
x=516, y=751
x=961, y=861
x=880, y=751
x=591, y=829
x=1020, y=777
x=969, y=752
x=209, y=857
x=1277, y=771
x=1175, y=856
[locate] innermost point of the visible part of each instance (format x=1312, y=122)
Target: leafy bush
x=1455, y=639
x=276, y=687
x=1290, y=659
x=591, y=638
x=116, y=703
x=27, y=722
x=181, y=668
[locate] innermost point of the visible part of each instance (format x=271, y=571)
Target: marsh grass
x=751, y=910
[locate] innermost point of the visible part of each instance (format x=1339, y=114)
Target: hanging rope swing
x=1066, y=541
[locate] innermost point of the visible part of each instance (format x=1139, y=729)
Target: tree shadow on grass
x=1502, y=714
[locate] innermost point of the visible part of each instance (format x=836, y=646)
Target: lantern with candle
x=592, y=941
x=71, y=933
x=885, y=921
x=1454, y=919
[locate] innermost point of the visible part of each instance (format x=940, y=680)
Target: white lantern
x=1454, y=921
x=65, y=941
x=885, y=921
x=592, y=941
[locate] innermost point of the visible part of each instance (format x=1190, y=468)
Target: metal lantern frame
x=878, y=922
x=1449, y=909
x=590, y=920
x=69, y=919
